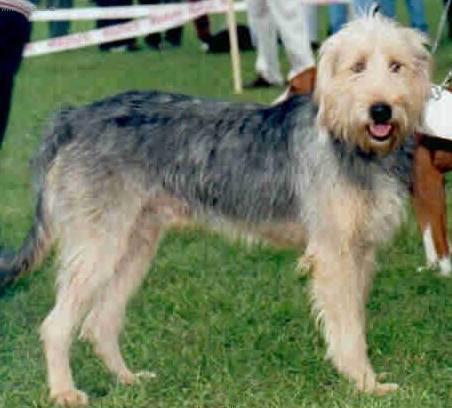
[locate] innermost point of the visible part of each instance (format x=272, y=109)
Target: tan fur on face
x=356, y=71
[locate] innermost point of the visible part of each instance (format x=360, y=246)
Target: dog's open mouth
x=380, y=132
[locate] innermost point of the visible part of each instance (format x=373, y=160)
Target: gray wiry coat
x=243, y=161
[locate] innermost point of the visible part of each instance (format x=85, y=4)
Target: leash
x=437, y=90
x=441, y=24
x=447, y=82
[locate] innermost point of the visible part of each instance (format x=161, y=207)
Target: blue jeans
x=416, y=10
x=361, y=7
x=338, y=15
x=59, y=28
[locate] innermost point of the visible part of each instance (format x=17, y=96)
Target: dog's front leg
x=340, y=283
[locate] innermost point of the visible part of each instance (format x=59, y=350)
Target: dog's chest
x=385, y=209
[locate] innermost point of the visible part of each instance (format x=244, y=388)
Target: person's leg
x=152, y=40
x=264, y=28
x=449, y=18
x=202, y=25
x=416, y=10
x=174, y=35
x=130, y=43
x=338, y=16
x=14, y=34
x=6, y=90
x=291, y=22
x=59, y=28
x=312, y=15
x=388, y=8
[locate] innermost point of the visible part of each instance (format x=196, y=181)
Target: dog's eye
x=395, y=66
x=358, y=67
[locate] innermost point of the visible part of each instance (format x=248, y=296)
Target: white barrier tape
x=113, y=13
x=159, y=19
x=118, y=12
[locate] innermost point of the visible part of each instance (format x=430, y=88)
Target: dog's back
x=233, y=158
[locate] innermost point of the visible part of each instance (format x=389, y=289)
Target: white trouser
x=288, y=17
x=312, y=16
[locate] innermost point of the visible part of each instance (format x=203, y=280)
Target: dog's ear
x=423, y=60
x=326, y=69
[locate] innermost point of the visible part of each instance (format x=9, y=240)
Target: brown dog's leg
x=429, y=201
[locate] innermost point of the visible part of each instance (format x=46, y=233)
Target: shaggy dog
x=328, y=177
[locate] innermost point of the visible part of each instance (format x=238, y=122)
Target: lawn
x=222, y=325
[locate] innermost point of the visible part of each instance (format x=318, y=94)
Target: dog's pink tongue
x=380, y=130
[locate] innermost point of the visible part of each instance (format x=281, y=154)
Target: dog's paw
x=432, y=267
x=305, y=265
x=445, y=268
x=70, y=398
x=130, y=378
x=384, y=388
x=442, y=267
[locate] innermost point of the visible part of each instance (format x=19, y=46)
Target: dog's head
x=373, y=80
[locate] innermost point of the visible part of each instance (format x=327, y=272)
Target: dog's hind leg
x=88, y=258
x=339, y=291
x=103, y=324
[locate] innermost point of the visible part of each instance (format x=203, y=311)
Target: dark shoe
x=117, y=49
x=219, y=42
x=156, y=47
x=173, y=44
x=174, y=37
x=258, y=82
x=315, y=45
x=119, y=46
x=133, y=48
x=154, y=41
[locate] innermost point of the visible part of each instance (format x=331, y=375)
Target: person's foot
x=133, y=48
x=154, y=41
x=117, y=48
x=155, y=46
x=259, y=82
x=205, y=46
x=173, y=44
x=315, y=45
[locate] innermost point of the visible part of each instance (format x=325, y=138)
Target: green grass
x=222, y=325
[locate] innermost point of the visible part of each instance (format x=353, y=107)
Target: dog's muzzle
x=380, y=129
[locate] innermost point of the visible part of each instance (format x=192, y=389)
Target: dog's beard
x=361, y=131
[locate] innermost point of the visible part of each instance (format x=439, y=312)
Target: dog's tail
x=58, y=134
x=35, y=247
x=39, y=240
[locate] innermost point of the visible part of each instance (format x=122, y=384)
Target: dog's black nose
x=380, y=112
